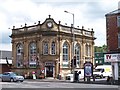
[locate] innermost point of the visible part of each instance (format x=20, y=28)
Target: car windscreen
x=98, y=70
x=13, y=74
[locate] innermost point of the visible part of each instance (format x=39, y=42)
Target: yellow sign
x=107, y=69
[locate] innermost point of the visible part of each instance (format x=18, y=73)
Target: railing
x=62, y=29
x=27, y=29
x=65, y=29
x=87, y=33
x=33, y=28
x=76, y=31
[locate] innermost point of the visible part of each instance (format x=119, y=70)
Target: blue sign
x=88, y=69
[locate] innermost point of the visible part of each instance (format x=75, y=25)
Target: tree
x=102, y=48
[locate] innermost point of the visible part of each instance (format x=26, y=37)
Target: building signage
x=49, y=64
x=112, y=57
x=32, y=62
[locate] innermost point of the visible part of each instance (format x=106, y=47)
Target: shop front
x=114, y=58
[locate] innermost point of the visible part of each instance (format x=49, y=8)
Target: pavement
x=48, y=80
x=81, y=81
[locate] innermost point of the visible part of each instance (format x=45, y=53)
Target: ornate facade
x=48, y=48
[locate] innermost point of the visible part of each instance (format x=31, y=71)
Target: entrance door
x=49, y=71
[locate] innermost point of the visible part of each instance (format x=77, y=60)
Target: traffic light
x=74, y=61
x=71, y=63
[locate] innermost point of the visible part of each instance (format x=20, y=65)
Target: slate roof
x=3, y=55
x=114, y=12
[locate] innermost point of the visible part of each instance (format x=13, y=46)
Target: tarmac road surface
x=55, y=85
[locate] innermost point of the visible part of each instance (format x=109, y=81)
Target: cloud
x=7, y=47
x=88, y=13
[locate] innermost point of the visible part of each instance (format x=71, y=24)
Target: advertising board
x=112, y=57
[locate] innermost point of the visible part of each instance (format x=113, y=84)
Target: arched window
x=53, y=48
x=65, y=54
x=77, y=54
x=32, y=55
x=45, y=48
x=19, y=55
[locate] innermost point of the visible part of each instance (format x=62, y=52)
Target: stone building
x=47, y=48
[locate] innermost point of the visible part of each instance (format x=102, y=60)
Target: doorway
x=49, y=71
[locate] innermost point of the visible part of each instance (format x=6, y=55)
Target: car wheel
x=11, y=80
x=21, y=81
x=2, y=80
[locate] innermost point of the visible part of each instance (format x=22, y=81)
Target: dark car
x=12, y=77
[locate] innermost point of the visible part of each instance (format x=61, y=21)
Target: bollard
x=93, y=78
x=88, y=79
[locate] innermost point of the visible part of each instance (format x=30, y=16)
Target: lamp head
x=66, y=11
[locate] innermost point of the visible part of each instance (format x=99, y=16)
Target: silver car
x=12, y=77
x=0, y=77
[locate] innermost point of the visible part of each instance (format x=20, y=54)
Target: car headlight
x=16, y=78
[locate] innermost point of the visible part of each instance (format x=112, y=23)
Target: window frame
x=45, y=46
x=19, y=55
x=118, y=40
x=65, y=55
x=33, y=55
x=77, y=54
x=118, y=21
x=53, y=48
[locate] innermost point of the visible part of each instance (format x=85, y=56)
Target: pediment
x=49, y=24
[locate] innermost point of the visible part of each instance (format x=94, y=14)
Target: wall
x=4, y=68
x=112, y=32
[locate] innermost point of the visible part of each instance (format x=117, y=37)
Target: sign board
x=32, y=63
x=112, y=57
x=88, y=69
x=49, y=64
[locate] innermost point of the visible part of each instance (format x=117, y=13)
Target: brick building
x=4, y=66
x=113, y=30
x=46, y=48
x=113, y=42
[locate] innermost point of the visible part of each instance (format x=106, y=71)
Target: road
x=37, y=84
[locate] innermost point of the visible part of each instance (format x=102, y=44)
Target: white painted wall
x=115, y=70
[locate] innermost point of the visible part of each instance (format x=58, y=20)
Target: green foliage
x=100, y=48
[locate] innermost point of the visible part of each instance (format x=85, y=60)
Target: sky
x=87, y=13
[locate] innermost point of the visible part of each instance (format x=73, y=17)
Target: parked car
x=12, y=77
x=0, y=77
x=79, y=71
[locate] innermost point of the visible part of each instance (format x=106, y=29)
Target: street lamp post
x=73, y=38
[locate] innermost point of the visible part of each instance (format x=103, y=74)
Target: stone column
x=26, y=51
x=14, y=54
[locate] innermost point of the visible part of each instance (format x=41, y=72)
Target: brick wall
x=4, y=68
x=112, y=32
